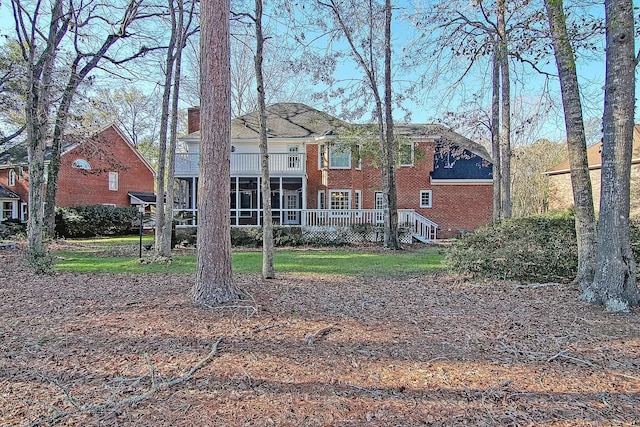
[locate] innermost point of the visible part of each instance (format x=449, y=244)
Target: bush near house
x=12, y=228
x=95, y=220
x=538, y=248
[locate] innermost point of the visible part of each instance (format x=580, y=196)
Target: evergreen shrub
x=96, y=220
x=534, y=249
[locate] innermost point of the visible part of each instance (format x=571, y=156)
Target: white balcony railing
x=323, y=219
x=246, y=164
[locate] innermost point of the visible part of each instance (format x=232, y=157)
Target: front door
x=291, y=207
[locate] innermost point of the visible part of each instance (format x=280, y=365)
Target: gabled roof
x=286, y=120
x=17, y=155
x=444, y=135
x=6, y=193
x=295, y=120
x=594, y=156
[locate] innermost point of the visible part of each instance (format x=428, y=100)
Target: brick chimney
x=193, y=119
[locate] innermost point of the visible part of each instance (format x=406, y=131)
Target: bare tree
x=268, y=270
x=615, y=284
x=181, y=15
x=353, y=20
x=576, y=144
x=214, y=282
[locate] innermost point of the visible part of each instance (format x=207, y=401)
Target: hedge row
x=541, y=248
x=96, y=220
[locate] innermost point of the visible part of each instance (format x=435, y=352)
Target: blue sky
x=431, y=107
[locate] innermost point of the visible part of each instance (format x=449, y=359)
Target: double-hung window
x=425, y=199
x=339, y=200
x=340, y=156
x=12, y=178
x=113, y=181
x=405, y=154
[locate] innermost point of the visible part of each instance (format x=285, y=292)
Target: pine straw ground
x=117, y=350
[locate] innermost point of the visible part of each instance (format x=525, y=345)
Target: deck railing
x=415, y=224
x=246, y=163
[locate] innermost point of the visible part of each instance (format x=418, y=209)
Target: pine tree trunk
x=214, y=284
x=505, y=134
x=495, y=135
x=615, y=283
x=576, y=145
x=268, y=271
x=391, y=241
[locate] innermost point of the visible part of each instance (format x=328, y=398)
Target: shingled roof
x=295, y=120
x=6, y=193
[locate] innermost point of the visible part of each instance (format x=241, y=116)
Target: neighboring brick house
x=103, y=169
x=561, y=193
x=442, y=177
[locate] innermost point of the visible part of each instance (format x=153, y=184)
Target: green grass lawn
x=326, y=262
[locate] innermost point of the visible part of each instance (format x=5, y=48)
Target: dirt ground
x=125, y=350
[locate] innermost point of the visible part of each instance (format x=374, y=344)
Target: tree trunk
x=576, y=145
x=495, y=135
x=167, y=229
x=391, y=240
x=268, y=271
x=37, y=117
x=505, y=135
x=162, y=246
x=214, y=284
x=615, y=283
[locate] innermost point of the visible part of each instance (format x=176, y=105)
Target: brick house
x=561, y=193
x=444, y=181
x=103, y=169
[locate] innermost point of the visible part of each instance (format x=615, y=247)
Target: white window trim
x=24, y=212
x=347, y=150
x=339, y=212
x=412, y=154
x=321, y=200
x=113, y=181
x=322, y=156
x=12, y=178
x=430, y=198
x=357, y=201
x=245, y=212
x=378, y=204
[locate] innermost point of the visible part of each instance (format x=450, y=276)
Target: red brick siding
x=455, y=208
x=22, y=184
x=107, y=153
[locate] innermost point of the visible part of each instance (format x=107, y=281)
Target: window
x=294, y=159
x=24, y=212
x=12, y=178
x=340, y=200
x=245, y=202
x=379, y=206
x=357, y=202
x=340, y=157
x=81, y=164
x=425, y=198
x=405, y=154
x=7, y=210
x=322, y=156
x=113, y=181
x=321, y=203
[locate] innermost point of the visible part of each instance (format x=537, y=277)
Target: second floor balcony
x=187, y=164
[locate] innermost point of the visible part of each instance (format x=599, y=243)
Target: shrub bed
x=541, y=248
x=95, y=220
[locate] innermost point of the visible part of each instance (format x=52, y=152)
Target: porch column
x=194, y=201
x=303, y=213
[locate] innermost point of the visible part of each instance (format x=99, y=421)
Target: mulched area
x=310, y=351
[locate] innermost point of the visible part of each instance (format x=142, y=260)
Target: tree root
x=155, y=388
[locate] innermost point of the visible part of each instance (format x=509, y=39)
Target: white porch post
x=303, y=216
x=259, y=197
x=194, y=201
